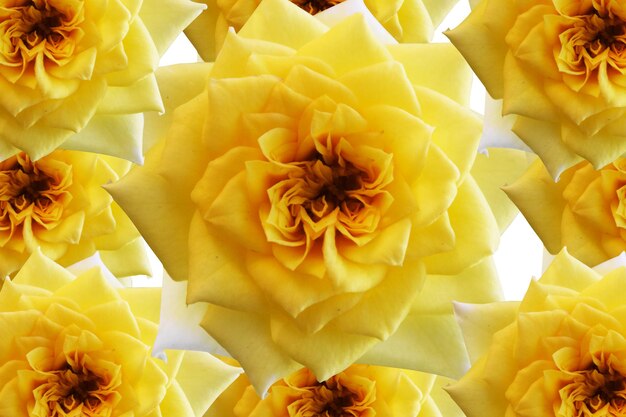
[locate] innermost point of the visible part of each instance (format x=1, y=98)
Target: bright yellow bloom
x=585, y=210
x=406, y=20
x=80, y=346
x=57, y=204
x=559, y=68
x=78, y=73
x=307, y=193
x=358, y=391
x=561, y=352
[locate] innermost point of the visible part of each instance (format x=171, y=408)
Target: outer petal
x=499, y=168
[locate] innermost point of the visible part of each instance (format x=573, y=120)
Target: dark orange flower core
x=342, y=395
x=86, y=389
x=594, y=392
x=341, y=187
x=39, y=28
x=593, y=43
x=33, y=191
x=315, y=6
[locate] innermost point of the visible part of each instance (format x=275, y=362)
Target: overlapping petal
x=78, y=74
x=393, y=20
x=582, y=211
x=310, y=189
x=559, y=70
x=57, y=204
x=558, y=352
x=80, y=345
x=360, y=390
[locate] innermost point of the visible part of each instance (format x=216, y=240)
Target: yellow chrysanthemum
x=307, y=193
x=57, y=204
x=561, y=352
x=80, y=346
x=406, y=20
x=585, y=210
x=358, y=391
x=79, y=73
x=559, y=68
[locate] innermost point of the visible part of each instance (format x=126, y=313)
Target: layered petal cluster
x=307, y=192
x=405, y=20
x=559, y=68
x=80, y=346
x=79, y=73
x=585, y=210
x=57, y=204
x=359, y=391
x=558, y=353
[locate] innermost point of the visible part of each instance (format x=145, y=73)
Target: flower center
x=35, y=27
x=315, y=6
x=340, y=187
x=36, y=190
x=71, y=392
x=591, y=42
x=594, y=391
x=339, y=396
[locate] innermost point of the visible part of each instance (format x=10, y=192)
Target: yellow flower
x=80, y=346
x=585, y=210
x=358, y=391
x=57, y=204
x=405, y=20
x=559, y=69
x=560, y=352
x=78, y=73
x=309, y=190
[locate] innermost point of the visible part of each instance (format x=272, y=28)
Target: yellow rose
x=405, y=20
x=359, y=391
x=57, y=204
x=585, y=210
x=79, y=73
x=309, y=190
x=558, y=67
x=560, y=352
x=80, y=346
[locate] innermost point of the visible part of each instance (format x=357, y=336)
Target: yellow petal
x=215, y=375
x=336, y=47
x=40, y=271
x=179, y=14
x=118, y=135
x=545, y=139
x=480, y=42
x=325, y=352
x=199, y=32
x=247, y=337
x=540, y=199
x=476, y=232
x=433, y=66
x=296, y=29
x=568, y=272
x=151, y=201
x=130, y=259
x=499, y=168
x=479, y=322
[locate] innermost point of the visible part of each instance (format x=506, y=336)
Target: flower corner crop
x=559, y=68
x=79, y=345
x=585, y=210
x=405, y=20
x=57, y=205
x=310, y=190
x=78, y=73
x=360, y=390
x=560, y=352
